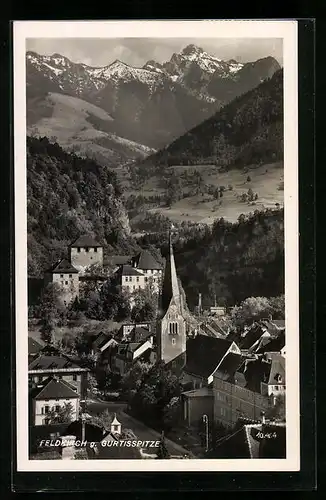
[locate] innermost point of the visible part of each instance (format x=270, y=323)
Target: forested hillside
x=247, y=131
x=67, y=196
x=230, y=261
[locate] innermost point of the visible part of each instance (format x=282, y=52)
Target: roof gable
x=145, y=260
x=127, y=270
x=85, y=240
x=55, y=389
x=34, y=346
x=204, y=354
x=62, y=266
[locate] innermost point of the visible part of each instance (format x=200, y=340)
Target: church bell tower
x=171, y=325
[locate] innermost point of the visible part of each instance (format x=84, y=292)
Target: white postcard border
x=287, y=30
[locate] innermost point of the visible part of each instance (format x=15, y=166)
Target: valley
x=266, y=181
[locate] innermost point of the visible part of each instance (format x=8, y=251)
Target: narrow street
x=141, y=430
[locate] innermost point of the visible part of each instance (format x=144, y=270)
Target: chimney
x=199, y=304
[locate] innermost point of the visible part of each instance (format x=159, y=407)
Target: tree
x=156, y=390
x=132, y=380
x=277, y=306
x=102, y=420
x=91, y=383
x=251, y=309
x=62, y=415
x=51, y=311
x=250, y=194
x=145, y=305
x=277, y=411
x=171, y=412
x=162, y=452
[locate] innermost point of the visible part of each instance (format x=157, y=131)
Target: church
x=171, y=334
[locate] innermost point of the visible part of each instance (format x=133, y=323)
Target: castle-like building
x=134, y=272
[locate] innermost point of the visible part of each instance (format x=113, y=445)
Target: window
x=70, y=275
x=87, y=250
x=46, y=421
x=145, y=271
x=47, y=409
x=78, y=249
x=153, y=280
x=61, y=275
x=126, y=278
x=137, y=278
x=146, y=279
x=173, y=342
x=134, y=287
x=74, y=377
x=42, y=410
x=95, y=249
x=115, y=428
x=173, y=328
x=66, y=282
x=152, y=271
x=57, y=408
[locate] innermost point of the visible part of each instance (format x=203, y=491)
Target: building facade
x=85, y=252
x=65, y=277
x=50, y=397
x=60, y=367
x=232, y=402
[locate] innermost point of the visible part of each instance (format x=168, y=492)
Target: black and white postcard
x=156, y=245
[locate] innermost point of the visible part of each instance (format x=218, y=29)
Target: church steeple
x=171, y=330
x=170, y=286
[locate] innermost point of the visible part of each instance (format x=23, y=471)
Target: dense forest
x=68, y=196
x=228, y=261
x=247, y=131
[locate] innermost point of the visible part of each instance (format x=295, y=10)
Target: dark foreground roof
x=246, y=442
x=204, y=354
x=274, y=345
x=34, y=346
x=229, y=366
x=85, y=241
x=54, y=389
x=267, y=371
x=63, y=266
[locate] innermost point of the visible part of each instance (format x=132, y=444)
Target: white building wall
x=39, y=414
x=81, y=258
x=68, y=284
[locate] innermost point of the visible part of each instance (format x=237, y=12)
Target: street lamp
x=205, y=420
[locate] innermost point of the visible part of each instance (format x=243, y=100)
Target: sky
x=137, y=51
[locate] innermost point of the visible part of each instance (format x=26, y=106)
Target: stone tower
x=171, y=325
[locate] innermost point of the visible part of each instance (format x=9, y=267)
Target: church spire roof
x=170, y=287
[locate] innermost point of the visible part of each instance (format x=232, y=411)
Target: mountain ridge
x=157, y=103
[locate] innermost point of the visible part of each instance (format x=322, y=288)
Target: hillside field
x=266, y=181
x=77, y=124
